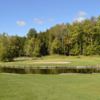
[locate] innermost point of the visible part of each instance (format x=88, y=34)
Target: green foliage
x=78, y=38
x=36, y=52
x=29, y=47
x=30, y=42
x=32, y=33
x=6, y=48
x=56, y=47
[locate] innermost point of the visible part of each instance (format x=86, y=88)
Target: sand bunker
x=53, y=62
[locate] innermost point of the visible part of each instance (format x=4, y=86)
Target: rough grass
x=74, y=61
x=50, y=87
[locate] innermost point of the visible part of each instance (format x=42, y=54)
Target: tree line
x=77, y=38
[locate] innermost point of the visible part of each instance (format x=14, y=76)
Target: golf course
x=49, y=49
x=64, y=86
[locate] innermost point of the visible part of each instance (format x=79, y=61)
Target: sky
x=18, y=16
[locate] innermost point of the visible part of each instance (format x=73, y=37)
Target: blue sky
x=18, y=16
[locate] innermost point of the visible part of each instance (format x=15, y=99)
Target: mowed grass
x=50, y=87
x=37, y=62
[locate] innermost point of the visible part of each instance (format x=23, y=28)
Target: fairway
x=54, y=60
x=50, y=87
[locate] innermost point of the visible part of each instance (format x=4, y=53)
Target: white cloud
x=21, y=23
x=80, y=19
x=38, y=21
x=82, y=13
x=81, y=16
x=41, y=21
x=50, y=20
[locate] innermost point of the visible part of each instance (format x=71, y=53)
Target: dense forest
x=77, y=38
